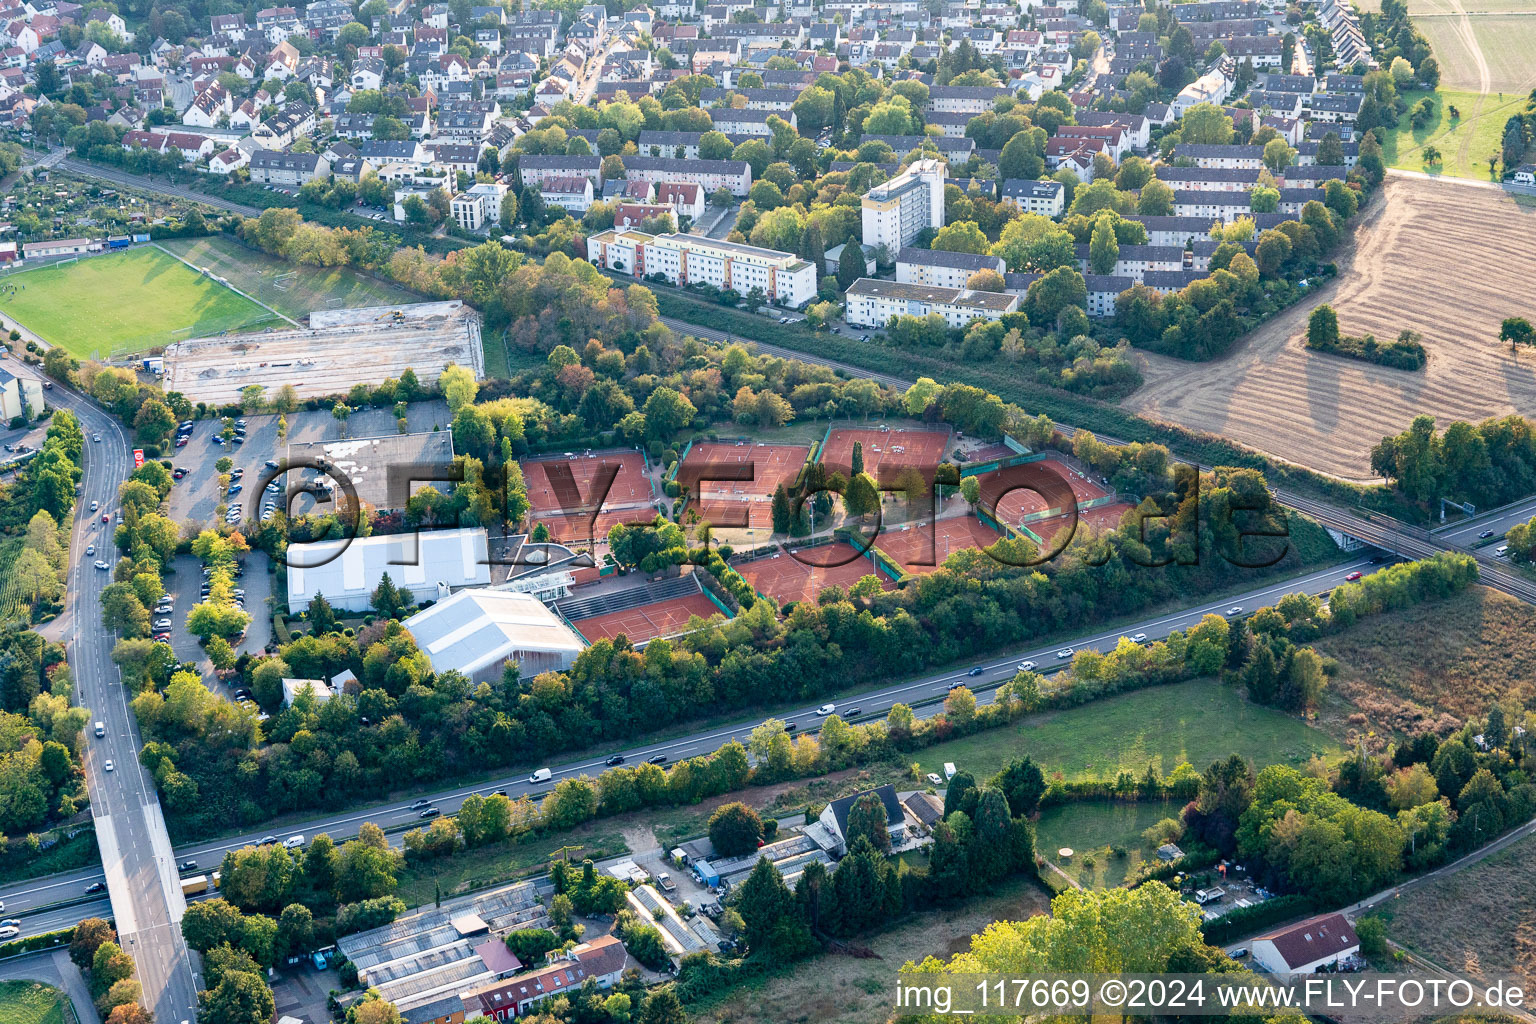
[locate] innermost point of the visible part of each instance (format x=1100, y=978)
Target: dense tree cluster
x=1207, y=316
x=1488, y=463
x=1406, y=353
x=974, y=848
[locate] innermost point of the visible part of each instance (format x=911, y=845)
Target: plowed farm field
x=1450, y=261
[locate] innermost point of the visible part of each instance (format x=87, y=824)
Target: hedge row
x=32, y=943
x=1244, y=920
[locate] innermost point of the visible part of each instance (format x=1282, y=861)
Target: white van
x=542, y=775
x=101, y=729
x=949, y=769
x=293, y=842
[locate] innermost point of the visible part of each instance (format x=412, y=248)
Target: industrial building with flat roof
x=428, y=565
x=384, y=471
x=476, y=632
x=339, y=348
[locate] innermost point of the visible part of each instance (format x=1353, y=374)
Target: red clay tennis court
x=727, y=502
x=1103, y=517
x=886, y=452
x=785, y=577
x=1013, y=505
x=648, y=621
x=579, y=527
x=923, y=548
x=550, y=490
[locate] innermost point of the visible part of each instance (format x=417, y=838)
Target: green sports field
x=289, y=288
x=125, y=302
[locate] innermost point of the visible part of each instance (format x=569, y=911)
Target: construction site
x=338, y=349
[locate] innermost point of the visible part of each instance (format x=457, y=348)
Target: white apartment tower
x=897, y=212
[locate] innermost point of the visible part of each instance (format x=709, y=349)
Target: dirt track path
x=1447, y=261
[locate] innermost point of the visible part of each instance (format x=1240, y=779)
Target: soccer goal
x=283, y=282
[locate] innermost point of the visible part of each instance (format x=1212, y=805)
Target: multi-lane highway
x=135, y=848
x=31, y=899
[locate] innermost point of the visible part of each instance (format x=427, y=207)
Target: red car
x=106, y=517
x=1352, y=577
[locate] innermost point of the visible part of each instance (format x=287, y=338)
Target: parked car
x=935, y=778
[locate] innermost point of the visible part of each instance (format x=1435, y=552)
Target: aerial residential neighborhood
x=712, y=512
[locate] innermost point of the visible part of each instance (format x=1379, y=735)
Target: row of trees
x=41, y=781
x=109, y=972
x=1488, y=463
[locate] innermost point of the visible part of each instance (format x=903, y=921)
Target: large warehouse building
x=421, y=563
x=478, y=631
x=340, y=348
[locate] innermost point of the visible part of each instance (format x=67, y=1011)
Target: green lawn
x=1198, y=721
x=289, y=288
x=28, y=1002
x=499, y=863
x=1090, y=829
x=1464, y=142
x=126, y=302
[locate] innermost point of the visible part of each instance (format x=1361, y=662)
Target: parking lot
x=195, y=497
x=28, y=438
x=183, y=584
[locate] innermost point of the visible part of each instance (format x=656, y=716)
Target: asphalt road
x=1499, y=520
x=130, y=829
x=401, y=815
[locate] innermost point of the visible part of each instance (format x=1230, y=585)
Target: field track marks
x=1424, y=259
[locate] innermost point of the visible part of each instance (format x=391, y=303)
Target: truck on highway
x=195, y=885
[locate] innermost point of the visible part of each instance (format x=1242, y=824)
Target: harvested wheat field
x=1445, y=259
